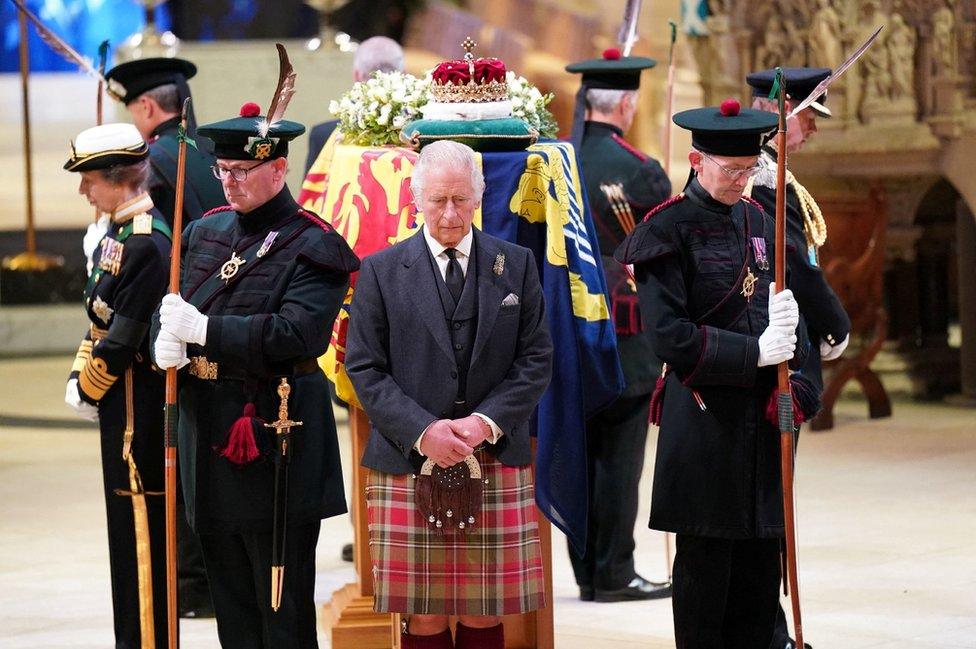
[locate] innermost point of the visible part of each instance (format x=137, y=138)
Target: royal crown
x=469, y=79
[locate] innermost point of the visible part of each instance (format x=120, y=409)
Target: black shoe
x=638, y=589
x=586, y=593
x=791, y=644
x=202, y=608
x=347, y=552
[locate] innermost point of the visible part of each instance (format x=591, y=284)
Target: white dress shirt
x=463, y=255
x=437, y=250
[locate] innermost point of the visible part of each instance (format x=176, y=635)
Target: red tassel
x=657, y=398
x=241, y=447
x=771, y=409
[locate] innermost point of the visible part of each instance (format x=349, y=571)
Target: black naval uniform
x=115, y=374
x=616, y=436
x=822, y=311
x=717, y=480
x=202, y=192
x=273, y=318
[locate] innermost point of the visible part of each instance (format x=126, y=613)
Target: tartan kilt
x=493, y=569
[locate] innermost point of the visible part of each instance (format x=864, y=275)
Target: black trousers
x=191, y=572
x=615, y=440
x=147, y=452
x=726, y=592
x=239, y=570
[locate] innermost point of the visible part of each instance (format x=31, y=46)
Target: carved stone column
x=966, y=251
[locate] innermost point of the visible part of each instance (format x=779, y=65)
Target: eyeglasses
x=734, y=174
x=239, y=173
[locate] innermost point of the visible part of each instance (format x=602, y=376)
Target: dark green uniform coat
x=717, y=470
x=616, y=436
x=276, y=313
x=607, y=159
x=202, y=191
x=822, y=311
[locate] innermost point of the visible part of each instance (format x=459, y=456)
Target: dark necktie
x=454, y=278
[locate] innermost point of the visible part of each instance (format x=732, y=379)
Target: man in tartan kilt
x=449, y=352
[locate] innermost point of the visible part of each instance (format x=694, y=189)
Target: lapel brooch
x=499, y=266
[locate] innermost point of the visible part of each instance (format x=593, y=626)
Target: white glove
x=82, y=408
x=96, y=231
x=784, y=313
x=181, y=319
x=169, y=351
x=776, y=345
x=829, y=352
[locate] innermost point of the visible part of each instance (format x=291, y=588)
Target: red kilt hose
x=493, y=568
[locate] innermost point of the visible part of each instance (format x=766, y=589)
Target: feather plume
x=283, y=93
x=627, y=35
x=58, y=45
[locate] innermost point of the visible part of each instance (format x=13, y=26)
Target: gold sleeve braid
x=95, y=379
x=82, y=356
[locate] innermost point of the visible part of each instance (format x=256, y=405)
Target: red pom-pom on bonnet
x=730, y=107
x=611, y=54
x=250, y=109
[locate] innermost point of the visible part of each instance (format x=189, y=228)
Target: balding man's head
x=378, y=53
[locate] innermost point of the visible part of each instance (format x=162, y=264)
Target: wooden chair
x=853, y=261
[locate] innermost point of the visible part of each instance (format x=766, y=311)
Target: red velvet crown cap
x=458, y=72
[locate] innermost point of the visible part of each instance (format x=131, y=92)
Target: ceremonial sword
x=282, y=429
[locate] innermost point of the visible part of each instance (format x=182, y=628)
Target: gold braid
x=814, y=225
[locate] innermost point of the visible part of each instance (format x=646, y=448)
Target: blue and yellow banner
x=533, y=198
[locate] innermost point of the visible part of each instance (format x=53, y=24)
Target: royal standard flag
x=533, y=198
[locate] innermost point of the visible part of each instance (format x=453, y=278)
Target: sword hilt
x=284, y=424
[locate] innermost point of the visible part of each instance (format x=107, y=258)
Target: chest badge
x=102, y=310
x=749, y=285
x=231, y=266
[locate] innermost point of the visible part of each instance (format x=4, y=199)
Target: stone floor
x=887, y=515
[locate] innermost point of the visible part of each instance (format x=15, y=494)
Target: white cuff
x=416, y=445
x=496, y=432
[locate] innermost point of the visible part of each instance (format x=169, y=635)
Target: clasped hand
x=449, y=441
x=777, y=342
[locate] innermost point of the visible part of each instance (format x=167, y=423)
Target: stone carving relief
x=901, y=59
x=824, y=43
x=920, y=69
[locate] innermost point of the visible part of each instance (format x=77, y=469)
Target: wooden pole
x=785, y=399
x=29, y=260
x=25, y=103
x=172, y=414
x=666, y=146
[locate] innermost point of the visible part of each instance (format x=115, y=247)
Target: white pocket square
x=510, y=300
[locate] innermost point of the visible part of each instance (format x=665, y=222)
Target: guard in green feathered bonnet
x=261, y=284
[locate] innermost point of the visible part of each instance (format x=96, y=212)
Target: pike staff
x=784, y=399
x=172, y=414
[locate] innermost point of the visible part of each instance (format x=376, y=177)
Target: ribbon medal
x=759, y=250
x=268, y=242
